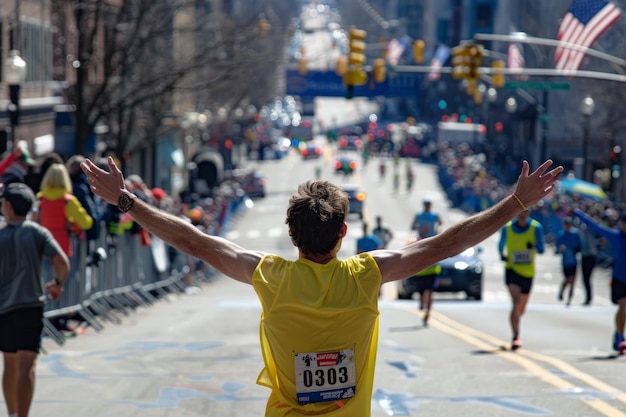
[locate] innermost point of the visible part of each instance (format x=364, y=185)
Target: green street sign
x=536, y=85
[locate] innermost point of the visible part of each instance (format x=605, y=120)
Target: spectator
x=81, y=190
x=15, y=166
x=58, y=207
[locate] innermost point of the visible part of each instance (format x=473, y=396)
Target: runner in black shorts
x=520, y=240
x=23, y=295
x=21, y=330
x=618, y=290
x=616, y=238
x=512, y=278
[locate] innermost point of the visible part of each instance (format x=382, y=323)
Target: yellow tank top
x=319, y=334
x=431, y=270
x=520, y=259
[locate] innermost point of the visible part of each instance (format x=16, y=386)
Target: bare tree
x=135, y=62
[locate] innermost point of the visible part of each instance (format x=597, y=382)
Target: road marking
x=528, y=360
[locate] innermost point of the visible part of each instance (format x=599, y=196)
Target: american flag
x=441, y=54
x=394, y=51
x=515, y=60
x=584, y=22
x=396, y=48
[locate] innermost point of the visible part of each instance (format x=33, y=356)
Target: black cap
x=20, y=196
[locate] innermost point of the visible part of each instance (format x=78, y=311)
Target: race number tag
x=522, y=257
x=325, y=376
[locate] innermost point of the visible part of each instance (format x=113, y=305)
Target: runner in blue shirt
x=568, y=244
x=426, y=223
x=617, y=239
x=368, y=242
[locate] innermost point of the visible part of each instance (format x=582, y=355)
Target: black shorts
x=569, y=271
x=21, y=330
x=426, y=282
x=512, y=277
x=618, y=290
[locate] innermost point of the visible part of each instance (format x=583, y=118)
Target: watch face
x=125, y=202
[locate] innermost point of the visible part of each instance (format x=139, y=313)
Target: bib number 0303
x=325, y=376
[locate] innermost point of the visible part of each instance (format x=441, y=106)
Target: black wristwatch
x=57, y=282
x=125, y=202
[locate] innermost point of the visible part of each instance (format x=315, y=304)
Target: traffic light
x=418, y=51
x=476, y=60
x=497, y=79
x=355, y=75
x=379, y=70
x=460, y=62
x=615, y=156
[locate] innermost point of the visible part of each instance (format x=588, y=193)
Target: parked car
x=356, y=198
x=460, y=273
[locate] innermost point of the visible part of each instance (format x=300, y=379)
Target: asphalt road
x=198, y=354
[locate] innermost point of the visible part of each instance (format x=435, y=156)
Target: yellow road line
x=529, y=361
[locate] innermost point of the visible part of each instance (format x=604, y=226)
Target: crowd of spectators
x=71, y=211
x=472, y=185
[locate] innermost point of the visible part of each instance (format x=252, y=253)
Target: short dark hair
x=315, y=216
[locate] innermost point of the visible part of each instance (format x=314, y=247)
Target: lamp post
x=586, y=110
x=14, y=76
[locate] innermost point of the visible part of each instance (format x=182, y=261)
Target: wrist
x=57, y=282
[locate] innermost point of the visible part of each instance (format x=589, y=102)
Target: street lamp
x=14, y=76
x=586, y=110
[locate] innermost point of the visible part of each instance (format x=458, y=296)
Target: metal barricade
x=114, y=275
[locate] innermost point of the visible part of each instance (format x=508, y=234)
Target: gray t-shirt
x=23, y=247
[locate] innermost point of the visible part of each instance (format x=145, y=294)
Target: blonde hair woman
x=58, y=209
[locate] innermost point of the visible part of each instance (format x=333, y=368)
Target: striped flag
x=394, y=51
x=441, y=54
x=515, y=60
x=584, y=22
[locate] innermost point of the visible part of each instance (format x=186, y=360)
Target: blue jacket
x=617, y=239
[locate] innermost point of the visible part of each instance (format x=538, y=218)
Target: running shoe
x=617, y=340
x=516, y=344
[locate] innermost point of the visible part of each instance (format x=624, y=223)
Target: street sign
x=328, y=84
x=536, y=85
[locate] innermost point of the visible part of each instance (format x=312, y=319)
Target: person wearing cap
x=15, y=166
x=24, y=244
x=426, y=223
x=320, y=313
x=568, y=244
x=522, y=238
x=617, y=239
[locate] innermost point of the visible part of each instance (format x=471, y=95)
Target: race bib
x=522, y=257
x=325, y=376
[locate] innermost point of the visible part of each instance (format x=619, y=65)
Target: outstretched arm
x=225, y=256
x=531, y=187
